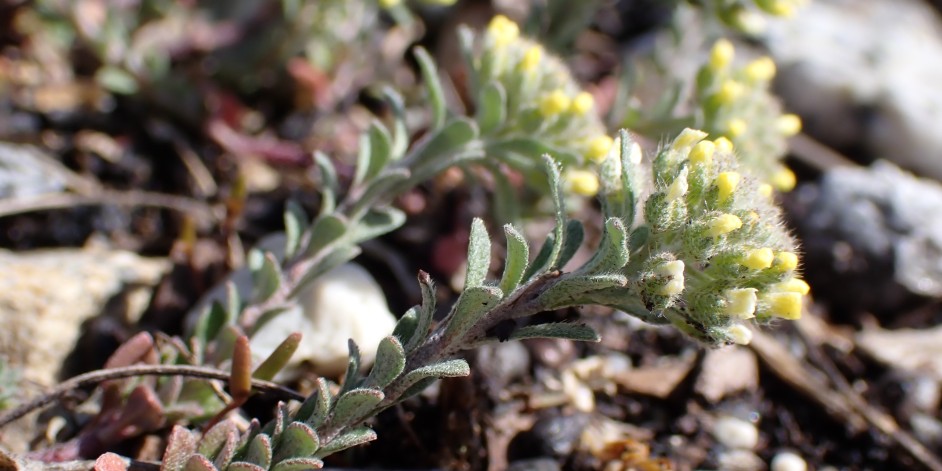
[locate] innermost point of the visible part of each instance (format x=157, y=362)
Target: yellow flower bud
x=599, y=147
x=702, y=153
x=758, y=259
x=788, y=124
x=582, y=182
x=531, y=58
x=687, y=138
x=389, y=3
x=793, y=285
x=782, y=8
x=503, y=30
x=723, y=144
x=722, y=54
x=786, y=305
x=785, y=261
x=726, y=184
x=739, y=334
x=765, y=190
x=736, y=127
x=582, y=103
x=723, y=224
x=741, y=303
x=729, y=92
x=675, y=271
x=760, y=70
x=554, y=103
x=784, y=179
x=678, y=187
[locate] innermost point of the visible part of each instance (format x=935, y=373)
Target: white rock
x=788, y=461
x=736, y=433
x=739, y=460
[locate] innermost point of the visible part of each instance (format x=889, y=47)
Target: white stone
x=739, y=460
x=788, y=461
x=736, y=433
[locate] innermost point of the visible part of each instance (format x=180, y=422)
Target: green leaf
x=568, y=290
x=377, y=222
x=180, y=445
x=375, y=153
x=466, y=45
x=471, y=306
x=612, y=253
x=542, y=260
x=259, y=451
x=400, y=136
x=433, y=84
x=210, y=323
x=479, y=255
x=354, y=437
x=406, y=326
x=116, y=80
x=446, y=369
x=278, y=359
x=364, y=160
x=492, y=108
x=453, y=136
x=571, y=243
x=327, y=228
x=381, y=190
x=329, y=183
x=638, y=238
x=314, y=410
x=215, y=439
x=629, y=169
x=563, y=330
x=245, y=466
x=426, y=312
x=356, y=404
x=390, y=361
x=530, y=148
x=295, y=222
x=417, y=388
x=266, y=274
x=518, y=254
x=199, y=463
x=298, y=464
x=334, y=258
x=353, y=378
x=297, y=441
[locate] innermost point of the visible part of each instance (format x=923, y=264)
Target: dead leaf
x=727, y=371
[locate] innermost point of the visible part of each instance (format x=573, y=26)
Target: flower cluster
x=541, y=104
x=711, y=253
x=736, y=103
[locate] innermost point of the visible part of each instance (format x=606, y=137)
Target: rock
x=788, y=461
x=739, y=460
x=862, y=75
x=26, y=172
x=727, y=371
x=872, y=236
x=736, y=433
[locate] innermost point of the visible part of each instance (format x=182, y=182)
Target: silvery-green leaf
x=297, y=441
x=492, y=107
x=518, y=254
x=266, y=275
x=390, y=361
x=278, y=358
x=446, y=369
x=530, y=148
x=259, y=451
x=228, y=450
x=563, y=330
x=353, y=378
x=296, y=222
x=426, y=311
x=433, y=84
x=473, y=303
x=298, y=464
x=354, y=437
x=233, y=302
x=180, y=445
x=314, y=410
x=210, y=323
x=380, y=189
x=277, y=425
x=377, y=222
x=629, y=171
x=329, y=184
x=364, y=160
x=326, y=229
x=479, y=255
x=571, y=242
x=215, y=439
x=417, y=387
x=612, y=253
x=400, y=135
x=568, y=290
x=405, y=326
x=638, y=238
x=380, y=150
x=355, y=404
x=335, y=257
x=542, y=261
x=445, y=142
x=466, y=45
x=245, y=466
x=199, y=463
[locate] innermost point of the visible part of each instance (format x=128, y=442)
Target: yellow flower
x=758, y=259
x=784, y=179
x=723, y=144
x=765, y=190
x=554, y=103
x=722, y=54
x=687, y=138
x=761, y=69
x=726, y=184
x=531, y=58
x=503, y=30
x=786, y=305
x=389, y=3
x=736, y=127
x=599, y=147
x=723, y=224
x=741, y=303
x=788, y=124
x=739, y=334
x=785, y=261
x=702, y=153
x=729, y=92
x=582, y=103
x=674, y=270
x=793, y=285
x=678, y=187
x=582, y=182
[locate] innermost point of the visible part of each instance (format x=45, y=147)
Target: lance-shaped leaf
x=548, y=256
x=562, y=330
x=479, y=255
x=612, y=253
x=355, y=404
x=630, y=156
x=298, y=464
x=334, y=258
x=296, y=222
x=492, y=107
x=266, y=274
x=315, y=408
x=297, y=441
x=326, y=229
x=400, y=135
x=405, y=326
x=446, y=369
x=572, y=240
x=518, y=254
x=329, y=183
x=471, y=306
x=377, y=222
x=352, y=379
x=530, y=147
x=466, y=46
x=375, y=153
x=568, y=290
x=259, y=451
x=541, y=262
x=199, y=463
x=351, y=438
x=181, y=444
x=210, y=323
x=453, y=136
x=279, y=357
x=426, y=312
x=227, y=452
x=381, y=189
x=240, y=378
x=433, y=84
x=390, y=361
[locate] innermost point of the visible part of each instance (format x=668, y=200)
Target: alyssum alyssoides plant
x=707, y=254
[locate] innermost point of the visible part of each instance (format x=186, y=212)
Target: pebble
x=788, y=461
x=739, y=460
x=736, y=433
